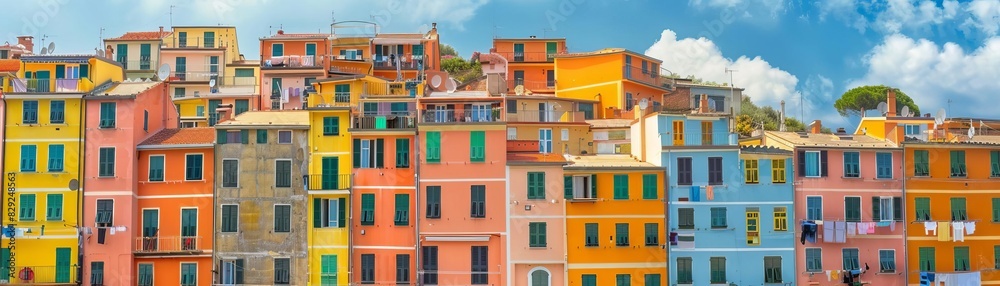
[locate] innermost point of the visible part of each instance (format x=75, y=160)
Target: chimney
x=161, y=30
x=703, y=104
x=815, y=127
x=531, y=37
x=281, y=32
x=781, y=117
x=109, y=53
x=27, y=42
x=891, y=103
x=841, y=130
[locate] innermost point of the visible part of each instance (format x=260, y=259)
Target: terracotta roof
x=793, y=139
x=9, y=65
x=298, y=36
x=535, y=158
x=182, y=136
x=767, y=150
x=140, y=36
x=128, y=88
x=607, y=161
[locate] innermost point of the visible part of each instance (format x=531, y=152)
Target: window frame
x=879, y=168
x=684, y=223
x=289, y=135
x=817, y=259
x=236, y=180
x=201, y=169
x=850, y=255
x=778, y=172
x=163, y=168
x=276, y=173
x=882, y=260
x=852, y=164
x=537, y=234
x=285, y=225
x=101, y=164
x=719, y=215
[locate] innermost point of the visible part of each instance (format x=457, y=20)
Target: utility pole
x=733, y=99
x=172, y=16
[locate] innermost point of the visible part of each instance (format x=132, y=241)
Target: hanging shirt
x=930, y=228
x=958, y=231
x=943, y=233
x=709, y=193
x=871, y=227
x=852, y=228
x=970, y=227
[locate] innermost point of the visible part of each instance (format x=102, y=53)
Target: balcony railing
x=647, y=75
x=328, y=182
x=699, y=139
x=452, y=116
x=237, y=81
x=48, y=275
x=168, y=244
x=293, y=61
x=406, y=61
x=52, y=85
x=531, y=84
x=193, y=42
x=336, y=100
x=403, y=89
x=145, y=63
x=546, y=116
x=528, y=57
x=185, y=74
x=396, y=120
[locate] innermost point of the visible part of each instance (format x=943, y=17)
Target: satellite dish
x=74, y=185
x=519, y=90
x=906, y=111
x=436, y=81
x=163, y=72
x=45, y=51
x=451, y=85
x=643, y=104
x=211, y=83
x=52, y=47
x=972, y=132
x=940, y=117
x=882, y=108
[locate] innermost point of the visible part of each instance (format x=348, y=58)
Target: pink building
x=850, y=180
x=537, y=216
x=118, y=120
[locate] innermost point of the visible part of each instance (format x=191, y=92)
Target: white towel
x=862, y=228
x=112, y=230
x=957, y=231
x=930, y=228
x=892, y=226
x=852, y=228
x=829, y=276
x=964, y=279
x=970, y=227
x=840, y=228
x=828, y=233
x=121, y=228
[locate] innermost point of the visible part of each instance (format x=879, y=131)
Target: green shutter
x=536, y=185
x=652, y=280
x=593, y=186
x=897, y=208
x=962, y=258
x=261, y=136
x=239, y=271
x=317, y=213
x=331, y=125
x=621, y=186
x=402, y=152
x=245, y=136
x=652, y=234
x=433, y=147
x=996, y=209
x=342, y=212
x=958, y=209
x=379, y=153
x=591, y=234
x=927, y=260
x=589, y=279
x=220, y=136
x=876, y=216
x=649, y=187
x=54, y=204
x=356, y=152
x=568, y=187
x=367, y=209
x=477, y=146
x=402, y=209
x=27, y=205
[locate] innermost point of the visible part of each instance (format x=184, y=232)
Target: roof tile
x=183, y=136
x=134, y=36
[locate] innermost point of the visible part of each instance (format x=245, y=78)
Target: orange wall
x=530, y=46
x=293, y=47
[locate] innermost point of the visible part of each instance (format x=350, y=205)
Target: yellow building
x=43, y=147
x=615, y=222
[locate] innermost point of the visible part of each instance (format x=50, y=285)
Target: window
x=233, y=136
x=477, y=146
x=536, y=185
x=537, y=234
x=433, y=147
x=814, y=208
x=368, y=269
x=850, y=257
x=772, y=269
x=284, y=137
x=718, y=269
x=814, y=260
x=652, y=234
x=852, y=165
x=678, y=126
x=57, y=112
x=718, y=217
x=685, y=218
x=753, y=226
x=887, y=261
x=331, y=126
x=156, y=168
x=621, y=234
x=105, y=213
x=329, y=212
x=715, y=171
x=230, y=173
x=402, y=269
x=96, y=272
x=545, y=141
x=53, y=207
x=232, y=271
x=480, y=260
x=921, y=164
x=478, y=203
x=368, y=153
x=106, y=162
x=652, y=280
x=108, y=111
x=281, y=270
x=29, y=112
x=684, y=171
x=193, y=163
x=282, y=218
x=883, y=163
x=780, y=219
x=922, y=206
x=649, y=187
x=706, y=133
x=433, y=202
x=328, y=270
x=961, y=258
x=886, y=208
x=996, y=210
x=429, y=261
x=28, y=153
x=367, y=209
x=402, y=152
x=282, y=173
x=813, y=166
x=751, y=172
x=261, y=136
x=621, y=186
x=591, y=234
x=852, y=210
x=189, y=274
x=926, y=259
x=957, y=163
x=209, y=39
x=994, y=164
x=230, y=218
x=958, y=209
x=402, y=215
x=778, y=171
x=684, y=270
x=580, y=187
x=27, y=203
x=623, y=280
x=56, y=154
x=539, y=277
x=145, y=276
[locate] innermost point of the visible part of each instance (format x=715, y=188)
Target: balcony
x=546, y=116
x=47, y=275
x=328, y=182
x=647, y=76
x=392, y=89
x=406, y=62
x=700, y=139
x=193, y=42
x=144, y=63
x=51, y=85
x=529, y=57
x=395, y=120
x=531, y=84
x=326, y=101
x=237, y=81
x=456, y=116
x=182, y=73
x=292, y=61
x=169, y=244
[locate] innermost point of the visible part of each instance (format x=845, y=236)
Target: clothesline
x=985, y=269
x=923, y=221
x=835, y=220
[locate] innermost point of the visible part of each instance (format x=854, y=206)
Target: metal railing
x=546, y=116
x=237, y=81
x=451, y=116
x=404, y=89
x=699, y=139
x=648, y=75
x=529, y=57
x=354, y=70
x=185, y=74
x=320, y=100
x=328, y=182
x=406, y=61
x=531, y=84
x=396, y=120
x=292, y=61
x=52, y=85
x=145, y=63
x=193, y=42
x=162, y=244
x=40, y=275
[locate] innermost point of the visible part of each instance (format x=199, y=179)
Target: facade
x=530, y=62
x=289, y=64
x=611, y=136
x=121, y=117
x=537, y=216
x=137, y=52
x=24, y=47
x=45, y=114
x=617, y=92
x=174, y=233
x=262, y=220
x=557, y=124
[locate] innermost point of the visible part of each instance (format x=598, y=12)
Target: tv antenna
x=172, y=16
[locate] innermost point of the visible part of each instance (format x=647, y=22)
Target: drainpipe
x=666, y=213
x=906, y=256
x=3, y=157
x=416, y=207
x=350, y=236
x=79, y=191
x=215, y=209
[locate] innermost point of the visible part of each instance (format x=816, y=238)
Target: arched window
x=539, y=276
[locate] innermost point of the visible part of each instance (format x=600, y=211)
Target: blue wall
x=692, y=131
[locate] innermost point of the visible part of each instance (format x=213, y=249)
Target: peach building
x=537, y=216
x=289, y=64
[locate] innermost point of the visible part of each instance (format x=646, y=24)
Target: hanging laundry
x=852, y=228
x=871, y=227
x=892, y=226
x=836, y=275
x=943, y=233
x=112, y=232
x=927, y=278
x=829, y=275
x=930, y=228
x=840, y=228
x=695, y=193
x=828, y=233
x=964, y=279
x=883, y=224
x=970, y=227
x=709, y=193
x=808, y=232
x=958, y=231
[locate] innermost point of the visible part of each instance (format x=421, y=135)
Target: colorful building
x=537, y=211
x=174, y=231
x=137, y=52
x=262, y=225
x=45, y=114
x=24, y=47
x=461, y=180
x=558, y=124
x=289, y=64
x=121, y=116
x=611, y=136
x=530, y=62
x=625, y=79
x=361, y=48
x=868, y=192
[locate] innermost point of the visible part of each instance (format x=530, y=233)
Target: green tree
x=752, y=117
x=462, y=70
x=859, y=99
x=447, y=50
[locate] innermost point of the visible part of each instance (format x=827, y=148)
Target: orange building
x=530, y=61
x=289, y=64
x=175, y=205
x=359, y=48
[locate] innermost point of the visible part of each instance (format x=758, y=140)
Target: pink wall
x=833, y=189
x=523, y=257
x=287, y=81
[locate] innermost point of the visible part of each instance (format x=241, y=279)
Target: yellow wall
x=224, y=36
x=329, y=237
x=874, y=127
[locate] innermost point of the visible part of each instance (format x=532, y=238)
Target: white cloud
x=985, y=16
x=901, y=16
x=932, y=74
x=913, y=14
x=746, y=9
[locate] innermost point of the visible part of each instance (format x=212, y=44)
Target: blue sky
x=782, y=49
